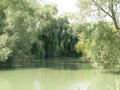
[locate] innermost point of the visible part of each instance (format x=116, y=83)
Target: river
x=58, y=79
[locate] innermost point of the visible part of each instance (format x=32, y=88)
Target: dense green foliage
x=100, y=39
x=29, y=30
x=56, y=38
x=99, y=44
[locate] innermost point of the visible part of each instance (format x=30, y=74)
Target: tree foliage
x=29, y=30
x=99, y=39
x=99, y=44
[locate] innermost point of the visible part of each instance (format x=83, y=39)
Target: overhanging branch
x=102, y=9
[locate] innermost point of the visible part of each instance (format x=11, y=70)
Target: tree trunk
x=111, y=14
x=114, y=18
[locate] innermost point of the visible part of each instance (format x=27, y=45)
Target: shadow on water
x=56, y=64
x=113, y=71
x=59, y=64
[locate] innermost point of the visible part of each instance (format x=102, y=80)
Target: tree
x=5, y=47
x=33, y=31
x=99, y=45
x=18, y=27
x=106, y=50
x=55, y=33
x=110, y=8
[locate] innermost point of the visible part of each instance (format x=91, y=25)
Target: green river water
x=58, y=79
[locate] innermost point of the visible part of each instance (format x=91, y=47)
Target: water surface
x=56, y=79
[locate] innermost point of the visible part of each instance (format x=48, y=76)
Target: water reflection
x=80, y=86
x=61, y=64
x=37, y=85
x=84, y=86
x=55, y=79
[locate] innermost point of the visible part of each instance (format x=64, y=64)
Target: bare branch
x=102, y=9
x=113, y=16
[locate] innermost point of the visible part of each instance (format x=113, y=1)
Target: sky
x=64, y=5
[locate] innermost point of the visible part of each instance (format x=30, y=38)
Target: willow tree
x=55, y=33
x=46, y=33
